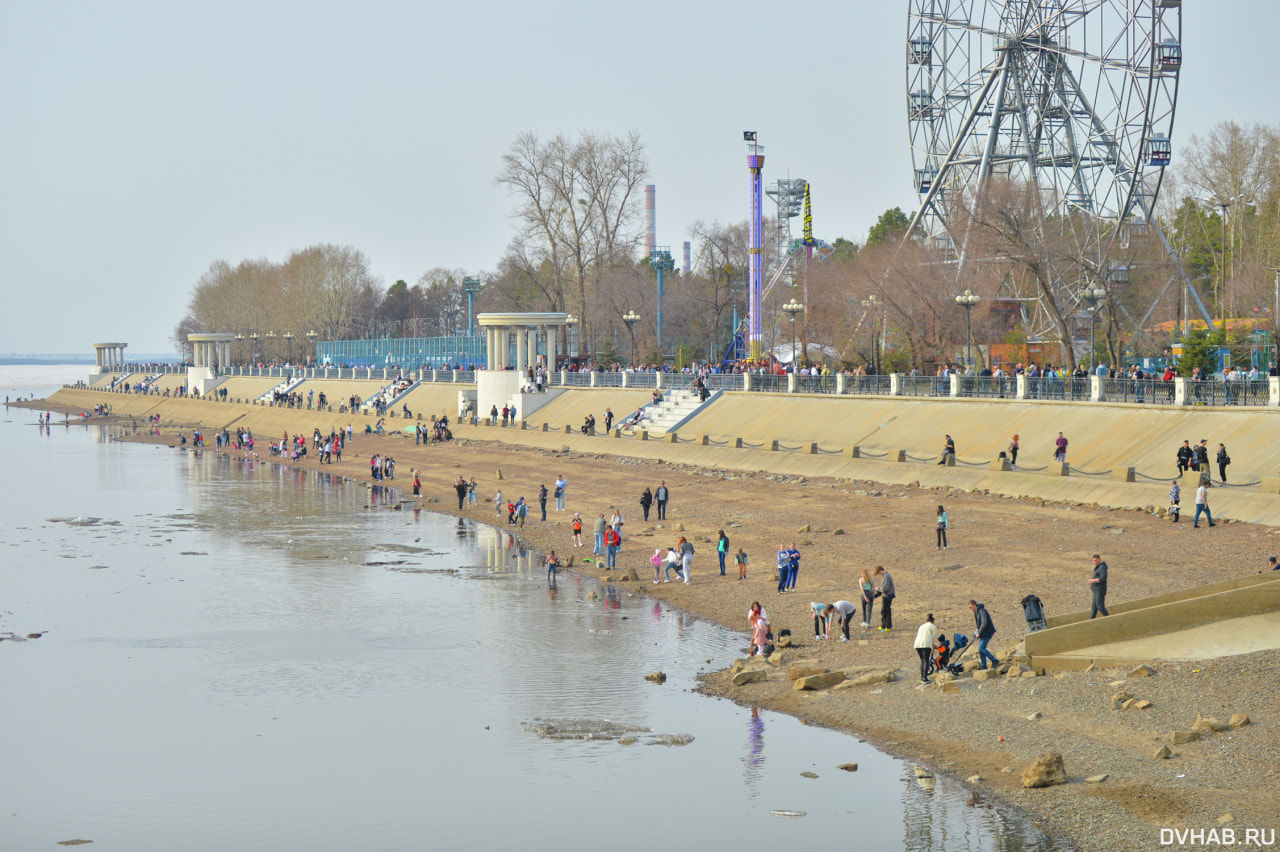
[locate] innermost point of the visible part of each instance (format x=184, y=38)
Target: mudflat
x=1000, y=549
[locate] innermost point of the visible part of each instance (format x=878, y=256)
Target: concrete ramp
x=1221, y=619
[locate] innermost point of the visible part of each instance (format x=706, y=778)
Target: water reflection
x=280, y=658
x=753, y=763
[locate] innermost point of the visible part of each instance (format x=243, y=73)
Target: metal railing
x=924, y=385
x=769, y=383
x=867, y=385
x=815, y=384
x=1152, y=391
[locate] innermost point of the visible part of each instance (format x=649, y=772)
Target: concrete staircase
x=676, y=408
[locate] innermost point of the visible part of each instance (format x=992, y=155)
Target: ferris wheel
x=1077, y=96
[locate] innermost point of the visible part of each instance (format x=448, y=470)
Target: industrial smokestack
x=650, y=220
x=688, y=258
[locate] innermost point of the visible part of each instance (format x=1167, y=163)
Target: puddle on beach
x=288, y=693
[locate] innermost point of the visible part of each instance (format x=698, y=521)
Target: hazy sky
x=139, y=142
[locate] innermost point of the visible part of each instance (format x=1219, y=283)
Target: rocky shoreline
x=985, y=732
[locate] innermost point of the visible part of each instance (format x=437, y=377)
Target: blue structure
x=660, y=259
x=406, y=352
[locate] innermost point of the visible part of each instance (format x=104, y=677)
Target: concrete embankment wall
x=1172, y=597
x=1102, y=436
x=1048, y=647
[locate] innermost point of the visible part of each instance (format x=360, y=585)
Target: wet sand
x=1000, y=550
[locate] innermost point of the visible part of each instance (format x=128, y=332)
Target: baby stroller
x=1033, y=611
x=943, y=653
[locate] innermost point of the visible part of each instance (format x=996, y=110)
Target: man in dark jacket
x=1098, y=582
x=1185, y=455
x=984, y=628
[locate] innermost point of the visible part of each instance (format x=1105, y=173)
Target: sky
x=140, y=142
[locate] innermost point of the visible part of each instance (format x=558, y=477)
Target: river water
x=243, y=656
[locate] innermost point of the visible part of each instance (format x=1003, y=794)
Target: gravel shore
x=1001, y=549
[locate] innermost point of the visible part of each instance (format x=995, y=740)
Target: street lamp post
x=872, y=304
x=288, y=336
x=967, y=300
x=240, y=341
x=793, y=307
x=570, y=327
x=253, y=346
x=271, y=338
x=1094, y=294
x=631, y=318
x=311, y=341
x=471, y=286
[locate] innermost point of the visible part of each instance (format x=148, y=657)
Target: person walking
x=542, y=500
x=522, y=511
x=600, y=526
x=471, y=492
x=1223, y=460
x=1098, y=583
x=741, y=559
x=867, y=592
x=577, y=530
x=926, y=637
x=942, y=528
x=561, y=485
x=646, y=500
x=611, y=542
x=661, y=496
x=1060, y=448
x=722, y=549
x=497, y=503
x=656, y=561
x=686, y=558
x=793, y=567
x=1013, y=453
x=887, y=592
x=784, y=568
x=1202, y=503
x=843, y=610
x=553, y=565
x=984, y=629
x=459, y=487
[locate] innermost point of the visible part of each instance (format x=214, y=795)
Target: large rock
x=1210, y=723
x=1239, y=720
x=870, y=678
x=1142, y=671
x=819, y=681
x=630, y=574
x=784, y=641
x=1162, y=753
x=656, y=677
x=1184, y=737
x=1047, y=771
x=804, y=669
x=982, y=674
x=806, y=528
x=747, y=676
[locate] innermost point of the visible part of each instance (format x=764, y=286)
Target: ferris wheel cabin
x=1159, y=150
x=924, y=179
x=921, y=104
x=920, y=51
x=1170, y=53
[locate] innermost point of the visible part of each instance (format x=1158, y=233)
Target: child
x=1175, y=499
x=577, y=530
x=742, y=564
x=673, y=564
x=656, y=561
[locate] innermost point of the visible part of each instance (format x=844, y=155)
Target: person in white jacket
x=926, y=636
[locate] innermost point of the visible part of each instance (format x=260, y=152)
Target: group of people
x=508, y=415
x=381, y=467
x=1197, y=458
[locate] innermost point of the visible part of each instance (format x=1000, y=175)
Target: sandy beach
x=1000, y=550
